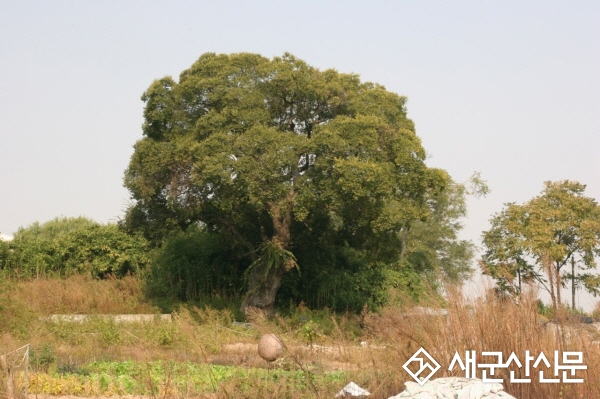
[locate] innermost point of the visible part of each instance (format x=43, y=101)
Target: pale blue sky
x=507, y=88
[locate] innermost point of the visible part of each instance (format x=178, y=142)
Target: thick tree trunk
x=263, y=284
x=262, y=290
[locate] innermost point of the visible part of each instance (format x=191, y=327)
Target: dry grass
x=81, y=294
x=314, y=352
x=487, y=325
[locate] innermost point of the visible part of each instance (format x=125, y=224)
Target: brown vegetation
x=205, y=336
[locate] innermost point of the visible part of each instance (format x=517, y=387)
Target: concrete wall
x=118, y=318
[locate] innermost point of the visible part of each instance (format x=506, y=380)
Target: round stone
x=270, y=347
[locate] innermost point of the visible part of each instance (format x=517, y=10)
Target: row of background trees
x=551, y=240
x=271, y=181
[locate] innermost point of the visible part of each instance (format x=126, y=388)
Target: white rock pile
x=453, y=388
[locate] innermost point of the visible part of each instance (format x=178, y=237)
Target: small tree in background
x=539, y=240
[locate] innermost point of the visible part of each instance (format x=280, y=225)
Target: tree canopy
x=282, y=160
x=539, y=240
x=433, y=245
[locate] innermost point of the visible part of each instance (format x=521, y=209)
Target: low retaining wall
x=117, y=318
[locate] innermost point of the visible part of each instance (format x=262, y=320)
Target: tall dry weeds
x=81, y=294
x=487, y=324
x=207, y=336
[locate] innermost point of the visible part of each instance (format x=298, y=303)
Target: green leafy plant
x=310, y=331
x=42, y=356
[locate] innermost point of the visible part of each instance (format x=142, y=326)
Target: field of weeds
x=205, y=353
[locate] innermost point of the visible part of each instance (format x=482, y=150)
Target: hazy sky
x=507, y=88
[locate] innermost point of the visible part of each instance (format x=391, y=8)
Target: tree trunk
x=262, y=289
x=573, y=283
x=551, y=281
x=558, y=283
x=263, y=284
x=282, y=221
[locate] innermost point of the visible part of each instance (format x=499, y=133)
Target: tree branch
x=240, y=238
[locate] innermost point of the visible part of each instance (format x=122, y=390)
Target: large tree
x=268, y=151
x=546, y=240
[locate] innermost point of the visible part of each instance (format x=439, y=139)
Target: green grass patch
x=165, y=378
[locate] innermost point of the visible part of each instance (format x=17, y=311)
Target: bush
x=348, y=283
x=67, y=246
x=195, y=265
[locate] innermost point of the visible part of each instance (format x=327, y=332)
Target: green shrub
x=195, y=265
x=67, y=246
x=42, y=356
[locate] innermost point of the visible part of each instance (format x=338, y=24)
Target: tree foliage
x=4, y=253
x=432, y=246
x=282, y=159
x=536, y=241
x=193, y=265
x=66, y=246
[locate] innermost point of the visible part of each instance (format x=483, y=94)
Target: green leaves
x=272, y=256
x=158, y=114
x=263, y=151
x=432, y=246
x=65, y=246
x=192, y=265
x=550, y=230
